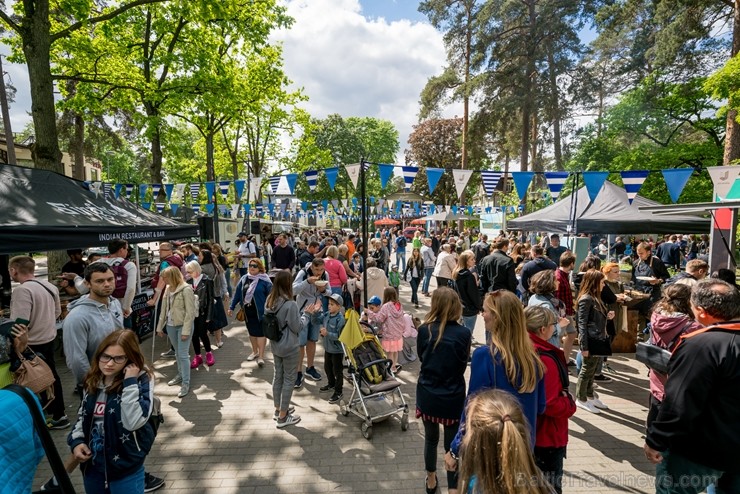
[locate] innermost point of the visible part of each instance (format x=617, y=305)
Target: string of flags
x=285, y=185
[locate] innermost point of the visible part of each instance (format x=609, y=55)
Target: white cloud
x=355, y=66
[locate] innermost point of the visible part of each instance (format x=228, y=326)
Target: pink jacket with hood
x=667, y=327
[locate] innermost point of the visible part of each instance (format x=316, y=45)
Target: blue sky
x=392, y=10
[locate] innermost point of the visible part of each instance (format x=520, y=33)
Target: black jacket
x=591, y=322
x=533, y=267
x=470, y=297
x=497, y=272
x=410, y=267
x=204, y=292
x=440, y=390
x=699, y=415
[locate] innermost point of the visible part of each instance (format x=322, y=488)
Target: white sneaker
x=588, y=406
x=183, y=391
x=174, y=382
x=598, y=404
x=289, y=419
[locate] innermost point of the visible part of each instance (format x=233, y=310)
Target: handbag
x=240, y=315
x=655, y=357
x=599, y=347
x=35, y=375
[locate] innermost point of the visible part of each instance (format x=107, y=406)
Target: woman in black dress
x=251, y=292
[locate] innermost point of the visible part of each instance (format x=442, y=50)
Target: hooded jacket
x=391, y=317
x=665, y=329
x=86, y=325
x=377, y=281
x=127, y=435
x=334, y=325
x=552, y=424
x=306, y=293
x=290, y=322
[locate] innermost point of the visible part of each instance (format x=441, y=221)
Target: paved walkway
x=221, y=437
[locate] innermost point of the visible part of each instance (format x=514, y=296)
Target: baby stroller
x=376, y=394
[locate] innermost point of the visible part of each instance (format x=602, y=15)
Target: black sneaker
x=298, y=380
x=335, y=398
x=602, y=378
x=328, y=387
x=313, y=374
x=49, y=485
x=152, y=483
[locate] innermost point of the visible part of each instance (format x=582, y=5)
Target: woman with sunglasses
x=112, y=435
x=509, y=363
x=251, y=292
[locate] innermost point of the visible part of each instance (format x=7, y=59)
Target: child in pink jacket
x=390, y=315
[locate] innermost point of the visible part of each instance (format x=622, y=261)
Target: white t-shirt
x=247, y=248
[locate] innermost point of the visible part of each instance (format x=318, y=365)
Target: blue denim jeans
x=182, y=353
x=427, y=278
x=676, y=474
x=401, y=259
x=94, y=481
x=469, y=322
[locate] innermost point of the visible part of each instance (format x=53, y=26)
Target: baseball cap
x=374, y=300
x=394, y=267
x=337, y=298
x=241, y=234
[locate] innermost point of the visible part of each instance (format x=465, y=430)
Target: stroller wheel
x=367, y=430
x=405, y=422
x=343, y=408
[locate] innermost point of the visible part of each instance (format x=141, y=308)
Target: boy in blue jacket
x=333, y=357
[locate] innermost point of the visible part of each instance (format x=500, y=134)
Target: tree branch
x=10, y=22
x=105, y=17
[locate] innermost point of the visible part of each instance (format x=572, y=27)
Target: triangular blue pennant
x=311, y=178
x=675, y=180
x=304, y=206
x=146, y=205
x=490, y=181
x=386, y=172
x=168, y=188
x=271, y=208
x=210, y=190
x=210, y=207
x=239, y=189
x=142, y=192
x=522, y=181
x=224, y=188
x=247, y=209
x=409, y=174
x=555, y=182
x=325, y=204
x=292, y=178
x=174, y=208
x=433, y=176
x=594, y=181
x=117, y=190
x=159, y=206
x=274, y=183
x=331, y=176
x=633, y=180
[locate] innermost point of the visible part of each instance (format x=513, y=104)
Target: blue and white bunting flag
x=194, y=193
x=555, y=182
x=409, y=174
x=490, y=181
x=331, y=176
x=312, y=177
x=521, y=182
x=274, y=183
x=594, y=181
x=239, y=189
x=633, y=180
x=224, y=188
x=675, y=180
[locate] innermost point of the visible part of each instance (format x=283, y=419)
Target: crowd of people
x=505, y=430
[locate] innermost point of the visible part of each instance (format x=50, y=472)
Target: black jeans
x=442, y=281
x=431, y=440
x=200, y=333
x=333, y=368
x=550, y=461
x=56, y=406
x=414, y=289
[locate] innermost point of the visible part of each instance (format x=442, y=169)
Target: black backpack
x=156, y=418
x=271, y=327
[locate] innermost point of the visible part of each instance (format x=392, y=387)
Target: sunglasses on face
x=254, y=266
x=118, y=359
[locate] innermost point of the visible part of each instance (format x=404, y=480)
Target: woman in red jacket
x=552, y=426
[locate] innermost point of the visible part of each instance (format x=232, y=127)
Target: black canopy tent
x=41, y=210
x=611, y=212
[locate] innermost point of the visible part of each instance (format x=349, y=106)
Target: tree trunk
x=527, y=104
x=156, y=148
x=37, y=48
x=732, y=129
x=210, y=167
x=555, y=102
x=78, y=149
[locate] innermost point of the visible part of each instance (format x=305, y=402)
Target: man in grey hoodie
x=308, y=293
x=91, y=318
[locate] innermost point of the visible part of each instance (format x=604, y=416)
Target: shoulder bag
x=35, y=375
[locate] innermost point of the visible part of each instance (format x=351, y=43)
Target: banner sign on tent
x=490, y=181
x=633, y=180
x=675, y=180
x=521, y=182
x=594, y=181
x=461, y=178
x=555, y=182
